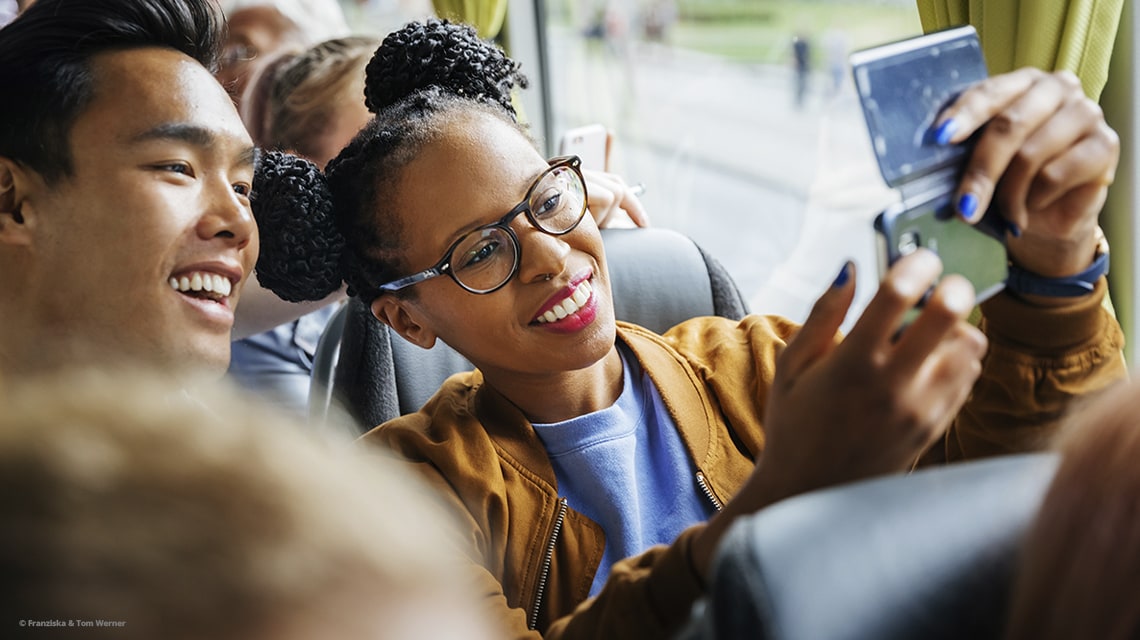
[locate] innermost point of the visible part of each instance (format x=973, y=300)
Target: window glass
x=740, y=119
x=380, y=17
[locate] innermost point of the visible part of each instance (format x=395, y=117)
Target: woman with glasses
x=595, y=464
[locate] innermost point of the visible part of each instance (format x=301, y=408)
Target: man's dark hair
x=45, y=65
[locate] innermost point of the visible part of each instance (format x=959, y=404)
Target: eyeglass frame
x=443, y=266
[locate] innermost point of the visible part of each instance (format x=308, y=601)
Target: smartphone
x=903, y=86
x=588, y=143
x=963, y=249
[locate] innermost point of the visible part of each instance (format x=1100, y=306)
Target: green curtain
x=485, y=15
x=1048, y=34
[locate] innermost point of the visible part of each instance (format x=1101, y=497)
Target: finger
x=947, y=376
x=982, y=101
x=601, y=215
x=607, y=193
x=817, y=335
x=941, y=386
x=948, y=305
x=1002, y=141
x=1040, y=160
x=1053, y=137
x=633, y=207
x=901, y=289
x=1091, y=161
x=601, y=194
x=605, y=179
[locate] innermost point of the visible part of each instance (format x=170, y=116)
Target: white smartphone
x=588, y=143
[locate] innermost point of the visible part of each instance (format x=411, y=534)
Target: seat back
x=659, y=277
x=325, y=358
x=926, y=555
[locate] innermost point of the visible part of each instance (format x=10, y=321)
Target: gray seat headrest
x=926, y=555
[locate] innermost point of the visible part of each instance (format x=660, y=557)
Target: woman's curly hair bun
x=444, y=54
x=301, y=247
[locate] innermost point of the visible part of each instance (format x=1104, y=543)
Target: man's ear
x=398, y=315
x=14, y=184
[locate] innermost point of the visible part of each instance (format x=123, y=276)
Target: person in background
x=1079, y=569
x=596, y=465
x=801, y=68
x=258, y=29
x=136, y=512
x=310, y=103
x=125, y=176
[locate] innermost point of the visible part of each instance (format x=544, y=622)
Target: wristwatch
x=1083, y=283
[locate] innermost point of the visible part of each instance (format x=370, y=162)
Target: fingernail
x=1013, y=229
x=843, y=277
x=945, y=132
x=968, y=205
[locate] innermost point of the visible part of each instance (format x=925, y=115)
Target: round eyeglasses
x=485, y=259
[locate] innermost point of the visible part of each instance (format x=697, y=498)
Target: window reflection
x=740, y=119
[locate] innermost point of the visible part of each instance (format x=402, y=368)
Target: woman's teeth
x=570, y=305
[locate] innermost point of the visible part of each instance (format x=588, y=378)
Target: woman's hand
x=1045, y=158
x=874, y=402
x=612, y=202
x=870, y=404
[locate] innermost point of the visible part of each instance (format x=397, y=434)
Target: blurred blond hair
x=1080, y=565
x=294, y=99
x=125, y=499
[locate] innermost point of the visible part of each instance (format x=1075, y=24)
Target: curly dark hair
x=419, y=100
x=292, y=198
x=444, y=54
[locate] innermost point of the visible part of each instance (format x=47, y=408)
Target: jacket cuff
x=673, y=596
x=1047, y=330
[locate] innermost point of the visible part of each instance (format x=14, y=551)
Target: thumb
x=816, y=337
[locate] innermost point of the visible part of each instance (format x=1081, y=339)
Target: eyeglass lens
x=486, y=258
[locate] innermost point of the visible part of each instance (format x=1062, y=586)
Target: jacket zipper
x=708, y=492
x=546, y=561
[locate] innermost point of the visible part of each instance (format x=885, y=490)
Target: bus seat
x=927, y=555
x=325, y=358
x=660, y=277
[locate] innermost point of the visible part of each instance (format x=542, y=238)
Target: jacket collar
x=675, y=379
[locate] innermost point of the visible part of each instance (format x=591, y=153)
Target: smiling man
x=125, y=175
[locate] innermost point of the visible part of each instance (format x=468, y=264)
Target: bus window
x=741, y=121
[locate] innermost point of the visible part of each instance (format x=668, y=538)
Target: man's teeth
x=199, y=281
x=570, y=305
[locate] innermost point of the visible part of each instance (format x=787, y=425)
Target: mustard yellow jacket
x=535, y=558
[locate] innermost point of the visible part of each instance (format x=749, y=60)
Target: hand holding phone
x=902, y=88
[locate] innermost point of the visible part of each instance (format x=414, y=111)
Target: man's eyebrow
x=190, y=133
x=196, y=135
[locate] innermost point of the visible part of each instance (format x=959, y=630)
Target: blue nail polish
x=968, y=205
x=844, y=275
x=1013, y=229
x=945, y=132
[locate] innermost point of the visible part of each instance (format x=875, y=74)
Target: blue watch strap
x=1083, y=283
